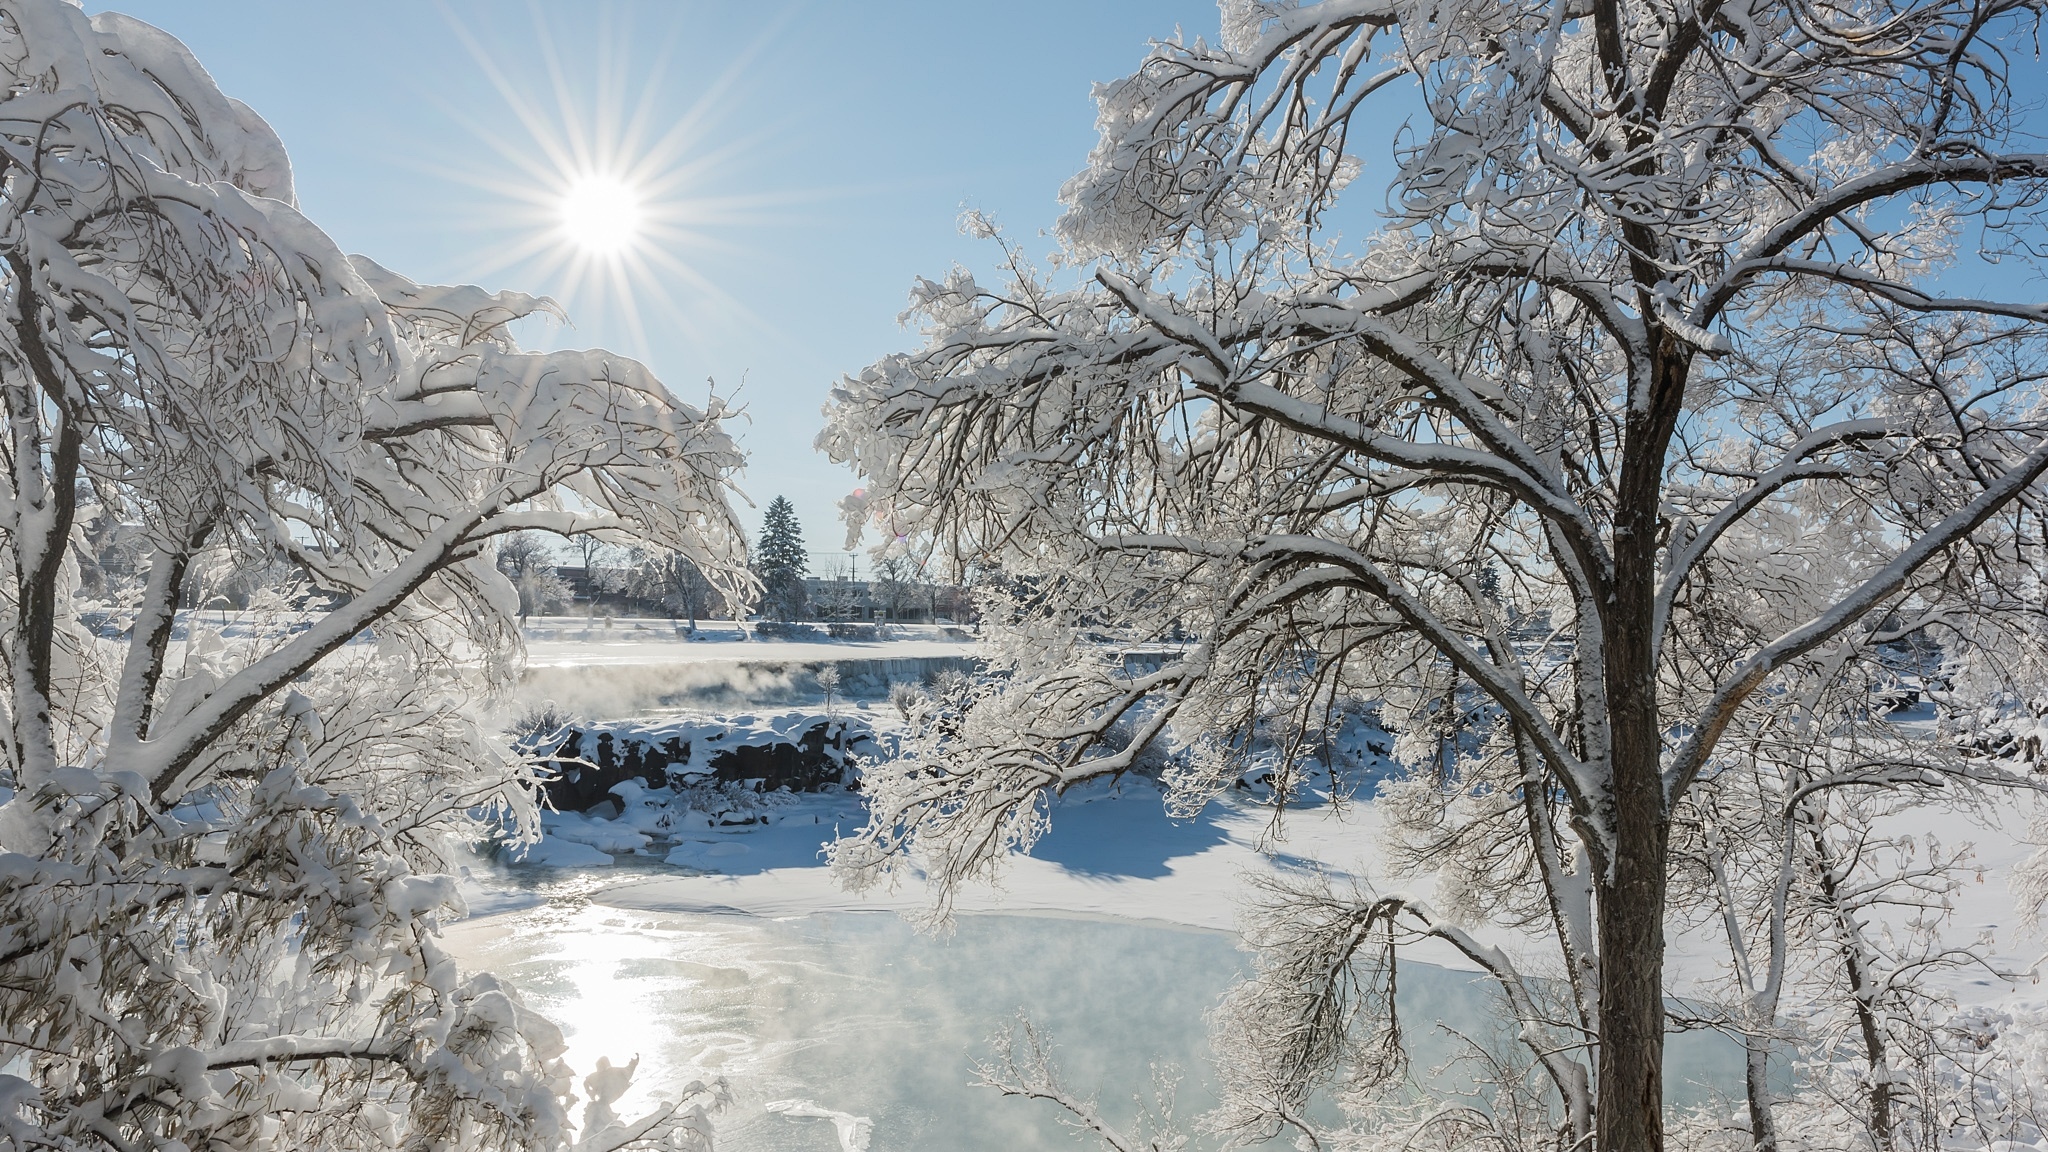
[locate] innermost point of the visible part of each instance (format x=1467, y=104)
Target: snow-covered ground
x=1112, y=852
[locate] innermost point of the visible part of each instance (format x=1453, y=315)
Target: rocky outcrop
x=800, y=751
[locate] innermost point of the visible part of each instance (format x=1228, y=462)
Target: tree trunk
x=45, y=503
x=1861, y=993
x=1630, y=1105
x=1631, y=1094
x=1630, y=1108
x=1631, y=915
x=1756, y=1084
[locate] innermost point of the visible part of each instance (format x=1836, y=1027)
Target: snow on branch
x=227, y=837
x=1630, y=389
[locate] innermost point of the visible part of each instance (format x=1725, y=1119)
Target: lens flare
x=601, y=215
x=603, y=193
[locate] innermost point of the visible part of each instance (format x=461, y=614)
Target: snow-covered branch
x=193, y=373
x=1645, y=394
x=1720, y=707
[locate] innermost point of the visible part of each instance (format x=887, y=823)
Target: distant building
x=838, y=591
x=835, y=598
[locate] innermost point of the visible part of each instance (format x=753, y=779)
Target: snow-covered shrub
x=666, y=813
x=904, y=696
x=727, y=802
x=540, y=727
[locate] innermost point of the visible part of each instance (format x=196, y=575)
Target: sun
x=601, y=215
x=602, y=194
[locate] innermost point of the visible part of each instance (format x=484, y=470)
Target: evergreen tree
x=779, y=561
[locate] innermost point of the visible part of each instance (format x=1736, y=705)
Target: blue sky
x=826, y=150
x=830, y=148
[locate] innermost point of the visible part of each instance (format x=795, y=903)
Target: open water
x=859, y=1014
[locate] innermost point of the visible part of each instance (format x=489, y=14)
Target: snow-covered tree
x=604, y=570
x=780, y=560
x=897, y=589
x=225, y=850
x=841, y=599
x=671, y=580
x=529, y=561
x=1651, y=346
x=1829, y=851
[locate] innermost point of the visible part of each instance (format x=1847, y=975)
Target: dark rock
x=802, y=754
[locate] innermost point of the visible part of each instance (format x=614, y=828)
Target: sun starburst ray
x=605, y=194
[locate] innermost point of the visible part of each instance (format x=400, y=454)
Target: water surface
x=858, y=1013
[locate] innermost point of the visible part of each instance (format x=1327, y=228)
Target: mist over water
x=617, y=691
x=858, y=1013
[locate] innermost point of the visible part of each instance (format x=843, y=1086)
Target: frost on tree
x=1641, y=414
x=780, y=562
x=225, y=850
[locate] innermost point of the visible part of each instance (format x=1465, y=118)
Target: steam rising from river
x=613, y=691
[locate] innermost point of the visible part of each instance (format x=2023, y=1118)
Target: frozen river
x=857, y=1013
x=804, y=1000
